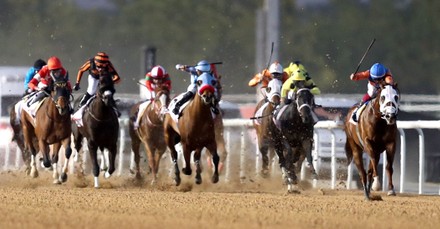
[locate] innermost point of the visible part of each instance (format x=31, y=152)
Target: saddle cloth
x=357, y=113
x=258, y=115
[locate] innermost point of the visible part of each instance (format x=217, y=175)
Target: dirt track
x=121, y=203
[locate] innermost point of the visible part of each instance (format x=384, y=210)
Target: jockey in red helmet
x=155, y=78
x=44, y=77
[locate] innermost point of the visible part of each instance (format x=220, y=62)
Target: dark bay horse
x=375, y=132
x=51, y=126
x=194, y=130
x=296, y=125
x=100, y=127
x=268, y=135
x=150, y=131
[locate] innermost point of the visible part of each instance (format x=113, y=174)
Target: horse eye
x=213, y=82
x=268, y=89
x=396, y=98
x=199, y=82
x=382, y=99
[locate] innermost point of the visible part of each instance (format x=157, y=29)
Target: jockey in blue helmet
x=376, y=75
x=195, y=71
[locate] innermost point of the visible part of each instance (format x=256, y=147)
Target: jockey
x=157, y=77
x=298, y=79
x=95, y=65
x=293, y=67
x=376, y=75
x=44, y=77
x=195, y=71
x=275, y=71
x=30, y=74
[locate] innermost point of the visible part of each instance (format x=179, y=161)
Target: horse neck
x=99, y=108
x=374, y=107
x=198, y=108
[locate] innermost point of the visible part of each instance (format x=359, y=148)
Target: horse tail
x=348, y=152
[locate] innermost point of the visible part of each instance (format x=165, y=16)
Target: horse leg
x=55, y=149
x=265, y=158
x=354, y=153
x=67, y=153
x=390, y=170
x=212, y=148
x=197, y=155
x=308, y=149
x=221, y=145
x=45, y=150
x=94, y=160
x=187, y=156
x=372, y=172
x=151, y=161
x=135, y=145
x=170, y=137
x=111, y=161
x=156, y=159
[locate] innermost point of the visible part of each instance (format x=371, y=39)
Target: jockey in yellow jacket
x=298, y=79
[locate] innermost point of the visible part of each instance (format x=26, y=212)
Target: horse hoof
x=34, y=173
x=265, y=173
x=199, y=180
x=291, y=188
x=63, y=177
x=391, y=193
x=153, y=182
x=138, y=176
x=107, y=175
x=56, y=181
x=177, y=181
x=187, y=171
x=214, y=179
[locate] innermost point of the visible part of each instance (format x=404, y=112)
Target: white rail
x=10, y=159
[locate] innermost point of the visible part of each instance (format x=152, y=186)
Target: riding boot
x=84, y=99
x=188, y=95
x=38, y=97
x=354, y=116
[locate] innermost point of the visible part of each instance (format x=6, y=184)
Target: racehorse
x=100, y=126
x=268, y=135
x=374, y=133
x=194, y=130
x=150, y=131
x=51, y=126
x=296, y=125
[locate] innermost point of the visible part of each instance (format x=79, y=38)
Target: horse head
x=304, y=103
x=106, y=89
x=273, y=91
x=161, y=100
x=389, y=103
x=206, y=87
x=60, y=95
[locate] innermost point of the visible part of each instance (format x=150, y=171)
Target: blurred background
x=328, y=36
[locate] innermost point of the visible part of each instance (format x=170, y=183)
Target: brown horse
x=296, y=125
x=51, y=126
x=268, y=135
x=150, y=131
x=100, y=127
x=194, y=130
x=375, y=132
